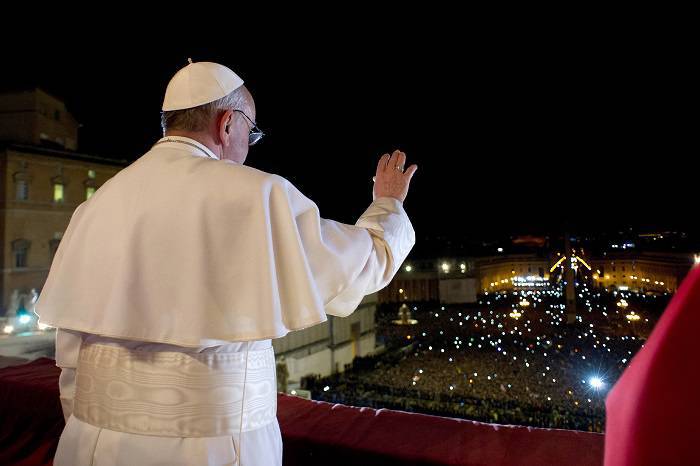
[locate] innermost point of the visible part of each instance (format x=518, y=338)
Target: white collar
x=203, y=151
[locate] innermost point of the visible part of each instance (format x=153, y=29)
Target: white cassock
x=166, y=290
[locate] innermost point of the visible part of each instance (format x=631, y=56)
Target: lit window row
x=22, y=189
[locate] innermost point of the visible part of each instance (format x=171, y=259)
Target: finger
x=383, y=160
x=401, y=161
x=392, y=160
x=411, y=170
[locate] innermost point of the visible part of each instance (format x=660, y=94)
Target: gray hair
x=198, y=118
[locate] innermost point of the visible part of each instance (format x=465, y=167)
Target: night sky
x=511, y=134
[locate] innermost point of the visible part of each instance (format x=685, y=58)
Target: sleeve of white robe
x=392, y=238
x=349, y=262
x=67, y=349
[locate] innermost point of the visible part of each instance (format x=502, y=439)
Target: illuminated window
x=89, y=191
x=58, y=192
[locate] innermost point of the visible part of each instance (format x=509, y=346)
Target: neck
x=200, y=137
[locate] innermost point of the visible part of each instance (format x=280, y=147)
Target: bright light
x=400, y=290
x=445, y=267
x=515, y=315
x=622, y=303
x=697, y=259
x=583, y=262
x=632, y=316
x=557, y=264
x=530, y=281
x=596, y=382
x=524, y=303
x=499, y=249
x=326, y=388
x=8, y=329
x=24, y=319
x=408, y=268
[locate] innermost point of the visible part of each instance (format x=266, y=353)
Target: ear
x=224, y=127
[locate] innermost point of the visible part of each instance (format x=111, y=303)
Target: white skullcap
x=198, y=84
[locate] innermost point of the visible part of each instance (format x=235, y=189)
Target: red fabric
x=313, y=432
x=31, y=419
x=653, y=411
x=316, y=432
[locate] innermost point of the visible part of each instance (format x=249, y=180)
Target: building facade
x=444, y=279
x=42, y=181
x=328, y=347
x=36, y=118
x=653, y=272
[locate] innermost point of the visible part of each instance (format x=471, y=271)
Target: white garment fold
x=180, y=248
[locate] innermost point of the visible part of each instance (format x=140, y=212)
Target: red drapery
x=653, y=411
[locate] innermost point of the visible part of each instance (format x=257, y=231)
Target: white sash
x=175, y=394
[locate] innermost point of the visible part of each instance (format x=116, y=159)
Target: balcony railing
x=313, y=432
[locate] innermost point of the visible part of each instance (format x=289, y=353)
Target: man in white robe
x=172, y=279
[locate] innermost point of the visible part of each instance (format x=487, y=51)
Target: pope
x=172, y=279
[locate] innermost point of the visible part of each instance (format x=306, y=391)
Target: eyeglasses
x=256, y=133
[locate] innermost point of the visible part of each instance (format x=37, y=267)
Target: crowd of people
x=481, y=363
